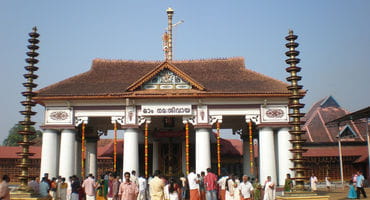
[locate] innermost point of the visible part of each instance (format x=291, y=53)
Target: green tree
x=13, y=136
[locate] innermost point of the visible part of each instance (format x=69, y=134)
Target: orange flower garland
x=146, y=150
x=187, y=147
x=83, y=150
x=115, y=148
x=251, y=146
x=218, y=149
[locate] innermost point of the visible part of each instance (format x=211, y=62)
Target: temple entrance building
x=166, y=97
x=171, y=113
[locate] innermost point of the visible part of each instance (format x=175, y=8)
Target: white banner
x=155, y=110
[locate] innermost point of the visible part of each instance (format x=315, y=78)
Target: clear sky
x=334, y=37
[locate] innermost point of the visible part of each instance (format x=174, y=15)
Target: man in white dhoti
x=142, y=188
x=269, y=189
x=313, y=181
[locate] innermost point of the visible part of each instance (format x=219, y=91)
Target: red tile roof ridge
x=315, y=105
x=309, y=134
x=103, y=60
x=326, y=128
x=357, y=130
x=308, y=121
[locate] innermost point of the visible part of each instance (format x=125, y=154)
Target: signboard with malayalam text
x=155, y=110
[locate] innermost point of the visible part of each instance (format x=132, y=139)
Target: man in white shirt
x=134, y=178
x=313, y=181
x=193, y=185
x=246, y=188
x=142, y=188
x=222, y=184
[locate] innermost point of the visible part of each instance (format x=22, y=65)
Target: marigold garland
x=218, y=149
x=187, y=147
x=115, y=148
x=146, y=150
x=83, y=150
x=251, y=147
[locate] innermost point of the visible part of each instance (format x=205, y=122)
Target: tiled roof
x=11, y=152
x=231, y=147
x=113, y=77
x=333, y=151
x=322, y=112
x=7, y=152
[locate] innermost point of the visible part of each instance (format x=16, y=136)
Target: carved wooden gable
x=165, y=77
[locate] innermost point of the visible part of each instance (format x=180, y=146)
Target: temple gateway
x=171, y=113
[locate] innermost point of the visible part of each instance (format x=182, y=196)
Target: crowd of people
x=203, y=186
x=356, y=186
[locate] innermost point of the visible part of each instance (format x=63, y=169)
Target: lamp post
x=342, y=134
x=340, y=159
x=368, y=144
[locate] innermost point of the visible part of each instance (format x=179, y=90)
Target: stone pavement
x=339, y=193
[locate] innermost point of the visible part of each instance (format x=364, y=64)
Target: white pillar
x=284, y=155
x=267, y=154
x=91, y=157
x=155, y=156
x=202, y=149
x=78, y=152
x=49, y=153
x=131, y=150
x=67, y=153
x=183, y=158
x=246, y=158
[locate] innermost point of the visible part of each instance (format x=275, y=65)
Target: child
x=352, y=192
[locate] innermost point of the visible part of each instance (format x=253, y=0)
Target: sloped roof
x=333, y=151
x=11, y=152
x=360, y=114
x=7, y=152
x=110, y=78
x=322, y=112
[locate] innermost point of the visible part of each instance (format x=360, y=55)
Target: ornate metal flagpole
x=295, y=114
x=28, y=104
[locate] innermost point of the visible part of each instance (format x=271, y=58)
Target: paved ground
x=339, y=193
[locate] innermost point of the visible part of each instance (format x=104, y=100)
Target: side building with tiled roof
x=322, y=141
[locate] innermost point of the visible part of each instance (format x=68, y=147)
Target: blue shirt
x=359, y=181
x=44, y=188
